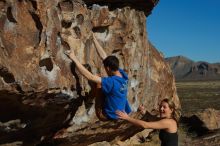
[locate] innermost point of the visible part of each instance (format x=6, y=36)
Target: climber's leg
x=99, y=103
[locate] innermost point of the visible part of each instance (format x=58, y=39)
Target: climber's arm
x=99, y=48
x=83, y=70
x=80, y=67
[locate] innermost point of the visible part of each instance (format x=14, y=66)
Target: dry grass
x=197, y=96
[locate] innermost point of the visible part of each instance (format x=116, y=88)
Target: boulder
x=210, y=118
x=39, y=84
x=204, y=122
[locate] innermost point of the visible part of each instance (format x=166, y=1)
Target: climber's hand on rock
x=67, y=53
x=71, y=54
x=94, y=37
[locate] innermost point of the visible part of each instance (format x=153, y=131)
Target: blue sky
x=186, y=27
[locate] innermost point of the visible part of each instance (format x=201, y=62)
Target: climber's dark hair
x=112, y=62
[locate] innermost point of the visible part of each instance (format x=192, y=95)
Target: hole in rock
x=77, y=31
x=65, y=24
x=34, y=4
x=100, y=29
x=46, y=62
x=80, y=19
x=7, y=76
x=38, y=23
x=10, y=15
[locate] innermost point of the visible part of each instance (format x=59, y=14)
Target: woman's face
x=165, y=111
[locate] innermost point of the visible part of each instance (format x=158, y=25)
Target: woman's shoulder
x=169, y=120
x=172, y=125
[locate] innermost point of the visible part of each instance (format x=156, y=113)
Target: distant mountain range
x=185, y=69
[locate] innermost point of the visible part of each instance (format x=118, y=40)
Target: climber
x=114, y=87
x=168, y=124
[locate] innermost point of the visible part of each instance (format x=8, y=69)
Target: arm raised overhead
x=80, y=67
x=99, y=48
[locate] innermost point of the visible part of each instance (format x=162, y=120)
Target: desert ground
x=198, y=95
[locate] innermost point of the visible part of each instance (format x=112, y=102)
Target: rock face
x=40, y=87
x=186, y=69
x=207, y=120
x=206, y=126
x=210, y=118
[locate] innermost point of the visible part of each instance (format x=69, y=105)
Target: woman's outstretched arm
x=161, y=124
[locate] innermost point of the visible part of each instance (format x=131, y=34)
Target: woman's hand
x=141, y=109
x=122, y=115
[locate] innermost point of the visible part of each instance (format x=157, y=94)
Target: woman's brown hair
x=176, y=112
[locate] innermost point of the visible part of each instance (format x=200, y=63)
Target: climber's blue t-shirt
x=115, y=90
